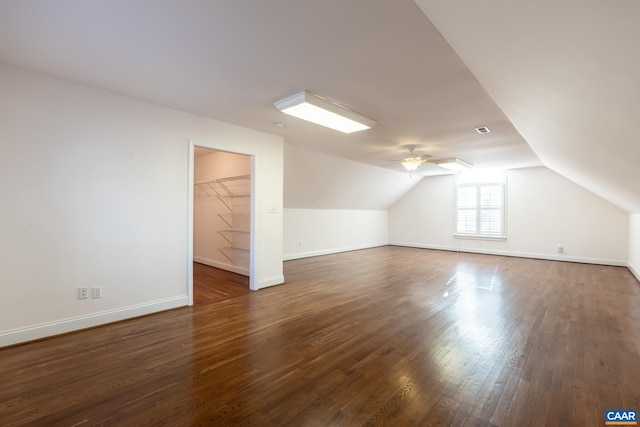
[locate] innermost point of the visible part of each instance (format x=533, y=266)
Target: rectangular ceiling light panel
x=455, y=165
x=323, y=111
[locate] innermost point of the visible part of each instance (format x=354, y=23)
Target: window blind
x=480, y=210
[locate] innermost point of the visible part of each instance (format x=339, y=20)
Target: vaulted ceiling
x=567, y=76
x=556, y=84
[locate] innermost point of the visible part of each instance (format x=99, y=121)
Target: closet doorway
x=222, y=210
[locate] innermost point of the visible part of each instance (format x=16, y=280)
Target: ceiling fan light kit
x=324, y=111
x=412, y=163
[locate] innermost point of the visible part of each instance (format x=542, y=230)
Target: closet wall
x=222, y=206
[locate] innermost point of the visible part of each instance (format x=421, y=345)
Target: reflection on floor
x=472, y=276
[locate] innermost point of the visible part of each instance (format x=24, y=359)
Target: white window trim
x=477, y=236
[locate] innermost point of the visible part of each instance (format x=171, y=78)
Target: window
x=480, y=204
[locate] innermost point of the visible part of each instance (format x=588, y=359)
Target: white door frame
x=190, y=209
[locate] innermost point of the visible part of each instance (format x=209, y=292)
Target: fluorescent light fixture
x=455, y=165
x=323, y=111
x=412, y=163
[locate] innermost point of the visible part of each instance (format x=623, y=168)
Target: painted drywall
x=634, y=244
x=335, y=205
x=543, y=210
x=214, y=212
x=314, y=180
x=95, y=190
x=313, y=232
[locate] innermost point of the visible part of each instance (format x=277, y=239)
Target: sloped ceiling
x=232, y=59
x=555, y=81
x=567, y=76
x=314, y=180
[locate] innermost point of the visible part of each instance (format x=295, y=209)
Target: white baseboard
x=278, y=280
x=634, y=272
x=309, y=254
x=550, y=257
x=71, y=324
x=222, y=265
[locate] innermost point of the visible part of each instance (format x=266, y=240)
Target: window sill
x=480, y=237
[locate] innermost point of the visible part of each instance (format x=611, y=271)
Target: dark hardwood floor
x=212, y=284
x=388, y=336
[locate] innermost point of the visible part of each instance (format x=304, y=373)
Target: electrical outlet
x=560, y=249
x=96, y=293
x=83, y=293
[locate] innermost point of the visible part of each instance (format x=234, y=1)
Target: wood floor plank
x=384, y=336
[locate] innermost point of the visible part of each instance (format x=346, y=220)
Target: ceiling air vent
x=483, y=130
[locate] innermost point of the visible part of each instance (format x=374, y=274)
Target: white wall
x=312, y=232
x=208, y=242
x=95, y=192
x=543, y=210
x=634, y=244
x=335, y=205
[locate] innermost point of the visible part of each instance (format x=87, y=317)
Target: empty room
x=319, y=213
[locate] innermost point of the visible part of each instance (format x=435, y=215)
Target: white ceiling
x=232, y=59
x=566, y=74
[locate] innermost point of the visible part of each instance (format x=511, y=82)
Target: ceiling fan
x=414, y=161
